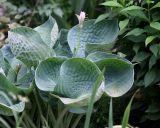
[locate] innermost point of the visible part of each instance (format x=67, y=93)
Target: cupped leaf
x=27, y=46
x=103, y=32
x=48, y=31
x=77, y=78
x=47, y=73
x=6, y=106
x=119, y=76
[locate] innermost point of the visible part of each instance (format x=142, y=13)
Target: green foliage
x=139, y=40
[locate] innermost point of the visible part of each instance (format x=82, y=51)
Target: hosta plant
x=65, y=65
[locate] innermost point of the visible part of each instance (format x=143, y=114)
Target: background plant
x=139, y=41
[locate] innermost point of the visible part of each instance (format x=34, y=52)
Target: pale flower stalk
x=81, y=17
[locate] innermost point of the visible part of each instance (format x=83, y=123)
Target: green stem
x=20, y=119
x=78, y=40
x=110, y=122
x=39, y=107
x=68, y=120
x=90, y=107
x=30, y=121
x=60, y=117
x=4, y=123
x=77, y=121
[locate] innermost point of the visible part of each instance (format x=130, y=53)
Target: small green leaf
x=102, y=17
x=135, y=32
x=133, y=7
x=150, y=77
x=157, y=5
x=155, y=49
x=140, y=56
x=112, y=4
x=149, y=39
x=137, y=14
x=136, y=48
x=155, y=25
x=153, y=108
x=123, y=24
x=152, y=61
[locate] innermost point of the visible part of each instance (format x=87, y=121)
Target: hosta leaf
x=25, y=82
x=48, y=31
x=112, y=4
x=6, y=106
x=98, y=56
x=119, y=76
x=15, y=66
x=8, y=55
x=47, y=73
x=6, y=85
x=62, y=47
x=103, y=32
x=27, y=46
x=77, y=77
x=90, y=48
